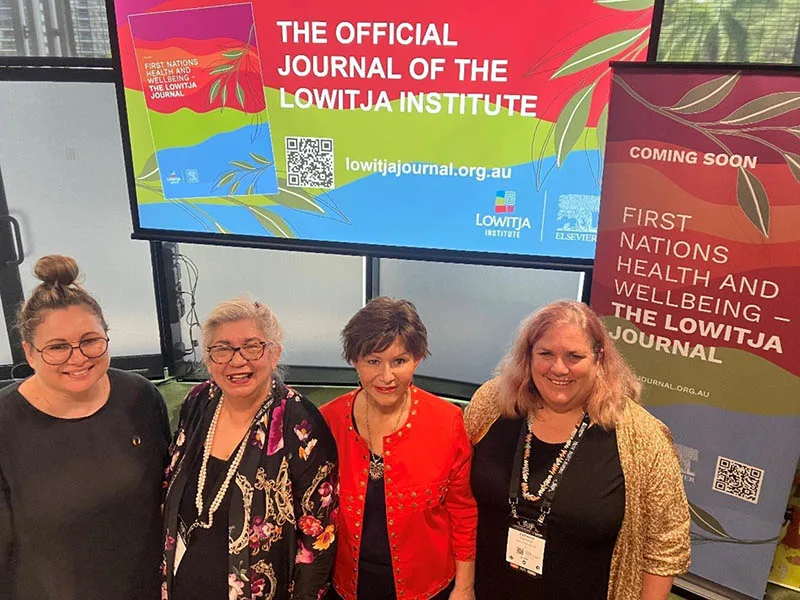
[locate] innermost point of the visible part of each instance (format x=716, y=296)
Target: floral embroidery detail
x=310, y=525
x=302, y=430
x=326, y=493
x=305, y=451
x=169, y=542
x=235, y=587
x=181, y=439
x=275, y=442
x=263, y=534
x=259, y=438
x=164, y=595
x=257, y=584
x=325, y=539
x=304, y=555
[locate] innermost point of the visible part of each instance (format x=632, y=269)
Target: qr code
x=309, y=162
x=738, y=479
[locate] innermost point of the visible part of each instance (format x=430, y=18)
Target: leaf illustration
x=795, y=130
x=240, y=94
x=296, y=198
x=234, y=187
x=752, y=197
x=571, y=122
x=260, y=159
x=706, y=522
x=599, y=51
x=233, y=54
x=214, y=90
x=273, y=223
x=766, y=107
x=224, y=95
x=243, y=165
x=625, y=4
x=251, y=188
x=705, y=96
x=221, y=69
x=793, y=161
x=602, y=128
x=225, y=178
x=150, y=170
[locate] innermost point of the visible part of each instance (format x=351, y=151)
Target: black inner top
x=203, y=572
x=375, y=579
x=582, y=527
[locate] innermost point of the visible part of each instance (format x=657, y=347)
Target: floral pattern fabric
x=284, y=504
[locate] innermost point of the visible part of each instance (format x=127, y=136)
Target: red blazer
x=431, y=514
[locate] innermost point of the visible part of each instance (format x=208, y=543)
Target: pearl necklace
x=201, y=479
x=376, y=467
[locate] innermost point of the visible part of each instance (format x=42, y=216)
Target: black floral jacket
x=284, y=503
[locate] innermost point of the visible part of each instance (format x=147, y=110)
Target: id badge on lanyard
x=525, y=544
x=525, y=548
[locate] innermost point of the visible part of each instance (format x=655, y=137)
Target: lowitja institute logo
x=577, y=217
x=504, y=202
x=502, y=223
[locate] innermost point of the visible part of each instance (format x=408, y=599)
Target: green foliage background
x=752, y=31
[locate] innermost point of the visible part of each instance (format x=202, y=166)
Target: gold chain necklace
x=376, y=468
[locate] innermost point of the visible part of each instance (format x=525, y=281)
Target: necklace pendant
x=375, y=469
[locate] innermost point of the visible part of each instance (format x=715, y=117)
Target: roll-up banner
x=697, y=275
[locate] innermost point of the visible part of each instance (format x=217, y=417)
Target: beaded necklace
x=232, y=469
x=553, y=468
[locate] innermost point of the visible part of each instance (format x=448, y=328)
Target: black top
x=80, y=498
x=375, y=577
x=582, y=528
x=203, y=573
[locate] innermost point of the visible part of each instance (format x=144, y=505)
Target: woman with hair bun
x=82, y=455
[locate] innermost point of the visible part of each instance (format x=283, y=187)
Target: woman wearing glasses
x=252, y=490
x=82, y=451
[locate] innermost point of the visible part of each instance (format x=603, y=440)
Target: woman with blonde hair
x=82, y=454
x=252, y=492
x=579, y=488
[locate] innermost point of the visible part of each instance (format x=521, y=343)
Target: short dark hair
x=376, y=327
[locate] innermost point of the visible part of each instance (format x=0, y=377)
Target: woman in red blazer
x=408, y=520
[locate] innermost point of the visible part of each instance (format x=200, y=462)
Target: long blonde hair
x=614, y=385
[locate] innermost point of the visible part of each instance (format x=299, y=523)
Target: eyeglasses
x=58, y=354
x=222, y=354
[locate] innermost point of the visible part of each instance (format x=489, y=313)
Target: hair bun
x=56, y=268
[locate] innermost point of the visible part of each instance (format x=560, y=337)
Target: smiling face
x=564, y=367
x=387, y=375
x=241, y=380
x=71, y=325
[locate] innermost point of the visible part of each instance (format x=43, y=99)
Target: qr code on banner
x=738, y=479
x=309, y=162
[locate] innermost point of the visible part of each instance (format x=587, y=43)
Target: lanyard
x=550, y=491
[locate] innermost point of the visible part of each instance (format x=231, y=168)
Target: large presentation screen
x=449, y=127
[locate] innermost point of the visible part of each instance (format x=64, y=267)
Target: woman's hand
x=462, y=593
